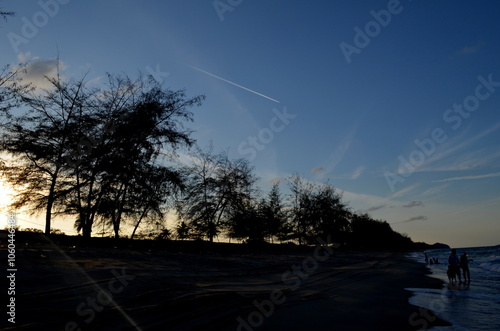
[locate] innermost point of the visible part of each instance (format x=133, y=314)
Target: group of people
x=455, y=265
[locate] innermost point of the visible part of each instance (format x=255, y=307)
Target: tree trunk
x=139, y=222
x=50, y=204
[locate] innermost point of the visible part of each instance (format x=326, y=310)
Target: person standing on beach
x=464, y=264
x=454, y=263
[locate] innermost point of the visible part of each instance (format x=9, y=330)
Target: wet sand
x=214, y=287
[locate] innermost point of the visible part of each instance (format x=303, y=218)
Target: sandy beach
x=190, y=286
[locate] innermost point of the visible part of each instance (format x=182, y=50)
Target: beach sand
x=189, y=286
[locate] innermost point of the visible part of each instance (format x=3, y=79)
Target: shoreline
x=118, y=288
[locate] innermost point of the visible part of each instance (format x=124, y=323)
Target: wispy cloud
x=376, y=207
x=358, y=172
x=366, y=202
x=453, y=179
x=404, y=191
x=317, y=170
x=355, y=174
x=412, y=204
x=413, y=219
x=275, y=180
x=459, y=153
x=435, y=190
x=468, y=50
x=233, y=83
x=338, y=154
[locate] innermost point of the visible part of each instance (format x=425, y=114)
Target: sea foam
x=493, y=264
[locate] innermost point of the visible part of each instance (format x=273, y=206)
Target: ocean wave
x=452, y=293
x=415, y=257
x=493, y=264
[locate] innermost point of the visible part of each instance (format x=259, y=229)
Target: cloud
x=414, y=204
x=376, y=208
x=338, y=154
x=404, y=191
x=317, y=170
x=433, y=191
x=415, y=218
x=275, y=180
x=463, y=152
x=453, y=179
x=38, y=70
x=358, y=172
x=364, y=203
x=467, y=50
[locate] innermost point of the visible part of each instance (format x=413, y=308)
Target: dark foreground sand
x=218, y=287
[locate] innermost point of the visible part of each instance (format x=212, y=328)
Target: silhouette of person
x=426, y=258
x=464, y=264
x=454, y=263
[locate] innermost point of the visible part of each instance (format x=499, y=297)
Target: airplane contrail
x=227, y=81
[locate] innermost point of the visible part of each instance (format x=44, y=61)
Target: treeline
x=93, y=154
x=107, y=157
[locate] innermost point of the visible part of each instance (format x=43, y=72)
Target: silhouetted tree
x=5, y=14
x=91, y=153
x=10, y=80
x=316, y=210
x=329, y=216
x=199, y=203
x=272, y=212
x=37, y=142
x=182, y=231
x=299, y=221
x=152, y=194
x=216, y=189
x=145, y=120
x=11, y=86
x=375, y=234
x=245, y=223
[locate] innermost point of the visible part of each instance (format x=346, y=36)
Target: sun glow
x=5, y=200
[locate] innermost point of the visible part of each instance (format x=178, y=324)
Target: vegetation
x=95, y=153
x=5, y=14
x=104, y=157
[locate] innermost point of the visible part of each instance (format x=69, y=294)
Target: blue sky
x=419, y=83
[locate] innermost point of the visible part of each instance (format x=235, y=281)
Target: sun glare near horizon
x=6, y=194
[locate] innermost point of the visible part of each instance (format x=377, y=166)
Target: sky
x=395, y=103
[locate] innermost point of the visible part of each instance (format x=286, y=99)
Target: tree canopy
x=106, y=156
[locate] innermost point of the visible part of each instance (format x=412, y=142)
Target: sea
x=474, y=306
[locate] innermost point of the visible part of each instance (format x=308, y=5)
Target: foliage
x=33, y=230
x=37, y=141
x=375, y=234
x=105, y=156
x=5, y=14
x=217, y=191
x=94, y=153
